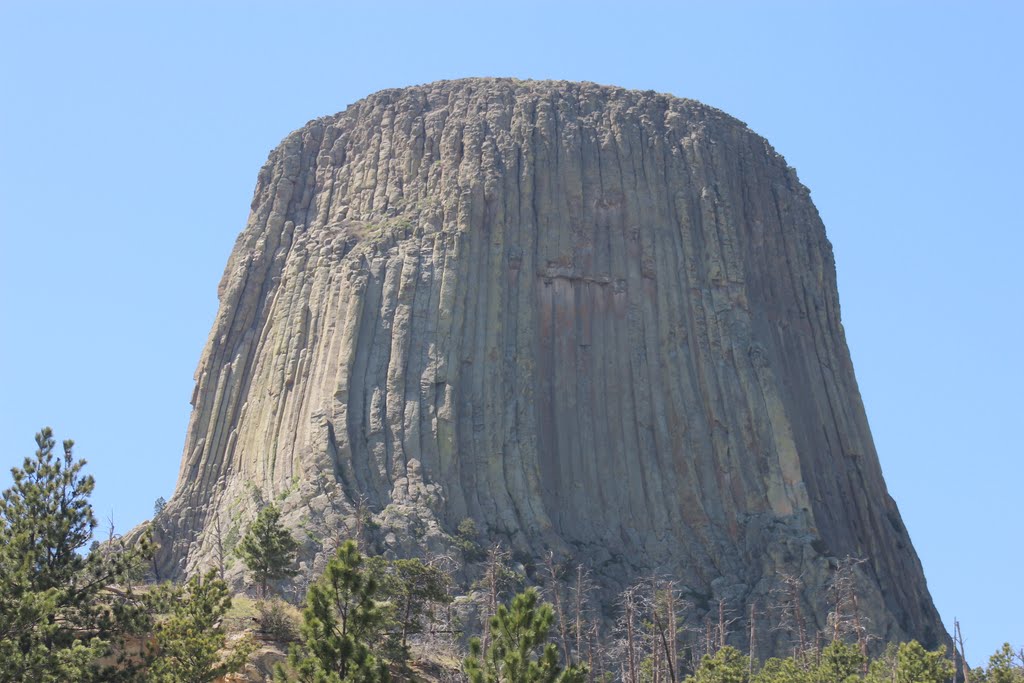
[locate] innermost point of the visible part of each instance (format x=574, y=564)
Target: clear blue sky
x=131, y=135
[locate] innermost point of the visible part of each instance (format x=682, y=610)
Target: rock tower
x=595, y=321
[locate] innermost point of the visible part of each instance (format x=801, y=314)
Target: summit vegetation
x=75, y=606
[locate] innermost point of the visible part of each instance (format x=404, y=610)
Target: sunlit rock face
x=595, y=321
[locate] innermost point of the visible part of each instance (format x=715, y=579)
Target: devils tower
x=595, y=321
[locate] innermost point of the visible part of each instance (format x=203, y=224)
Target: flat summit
x=598, y=322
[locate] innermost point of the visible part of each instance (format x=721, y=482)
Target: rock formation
x=596, y=321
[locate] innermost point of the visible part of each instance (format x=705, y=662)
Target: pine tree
x=727, y=665
x=520, y=650
x=188, y=643
x=61, y=610
x=1004, y=666
x=414, y=589
x=788, y=670
x=268, y=550
x=340, y=622
x=917, y=665
x=910, y=663
x=840, y=663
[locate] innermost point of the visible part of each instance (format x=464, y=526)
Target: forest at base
x=75, y=608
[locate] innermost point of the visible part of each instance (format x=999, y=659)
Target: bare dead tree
x=672, y=607
x=495, y=570
x=844, y=618
x=110, y=528
x=581, y=598
x=554, y=575
x=591, y=635
x=110, y=549
x=790, y=618
x=722, y=629
x=752, y=639
x=648, y=629
x=699, y=639
x=696, y=644
x=959, y=637
x=665, y=620
x=595, y=656
x=656, y=664
x=819, y=645
x=863, y=635
x=441, y=634
x=629, y=600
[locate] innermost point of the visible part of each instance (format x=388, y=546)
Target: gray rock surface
x=597, y=321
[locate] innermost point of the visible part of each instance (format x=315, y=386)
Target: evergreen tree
x=728, y=665
x=910, y=663
x=519, y=650
x=787, y=670
x=414, y=591
x=917, y=665
x=840, y=663
x=187, y=644
x=339, y=624
x=1005, y=666
x=61, y=610
x=268, y=550
x=466, y=541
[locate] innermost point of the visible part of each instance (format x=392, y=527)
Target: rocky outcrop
x=596, y=321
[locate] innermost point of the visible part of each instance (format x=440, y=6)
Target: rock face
x=596, y=321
